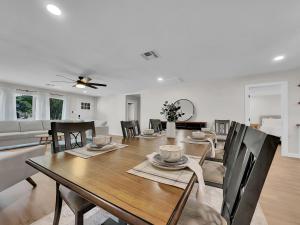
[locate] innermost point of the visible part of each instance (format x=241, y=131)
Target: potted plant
x=171, y=113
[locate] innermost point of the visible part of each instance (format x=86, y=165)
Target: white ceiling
x=196, y=40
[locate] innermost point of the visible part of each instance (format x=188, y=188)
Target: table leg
x=46, y=142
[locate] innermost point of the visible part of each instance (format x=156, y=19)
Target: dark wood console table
x=186, y=125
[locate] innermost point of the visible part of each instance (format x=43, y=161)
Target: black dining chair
x=250, y=170
x=130, y=128
x=214, y=172
x=249, y=173
x=74, y=137
x=222, y=129
x=223, y=152
x=156, y=125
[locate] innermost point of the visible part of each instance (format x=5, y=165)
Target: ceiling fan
x=82, y=82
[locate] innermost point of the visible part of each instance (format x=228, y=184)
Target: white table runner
x=84, y=153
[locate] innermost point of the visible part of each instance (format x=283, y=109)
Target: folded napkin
x=213, y=150
x=213, y=134
x=193, y=165
x=197, y=169
x=210, y=140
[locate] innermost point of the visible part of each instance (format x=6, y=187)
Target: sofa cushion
x=13, y=163
x=10, y=135
x=46, y=124
x=34, y=133
x=20, y=135
x=32, y=125
x=9, y=126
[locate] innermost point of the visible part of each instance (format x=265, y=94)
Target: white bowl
x=102, y=140
x=148, y=131
x=198, y=135
x=171, y=153
x=206, y=129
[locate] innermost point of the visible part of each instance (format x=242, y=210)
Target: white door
x=280, y=89
x=131, y=111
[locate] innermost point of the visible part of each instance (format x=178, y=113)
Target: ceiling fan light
x=80, y=86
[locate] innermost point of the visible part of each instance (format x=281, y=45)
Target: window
x=24, y=106
x=56, y=108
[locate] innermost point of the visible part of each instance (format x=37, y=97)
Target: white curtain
x=42, y=106
x=2, y=108
x=8, y=103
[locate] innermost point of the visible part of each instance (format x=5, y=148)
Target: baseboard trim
x=292, y=155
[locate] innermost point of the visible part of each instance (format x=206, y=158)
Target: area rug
x=97, y=216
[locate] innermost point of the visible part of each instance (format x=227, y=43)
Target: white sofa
x=16, y=133
x=13, y=167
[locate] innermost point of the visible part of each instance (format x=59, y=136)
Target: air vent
x=150, y=55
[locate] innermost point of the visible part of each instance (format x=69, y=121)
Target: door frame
x=284, y=111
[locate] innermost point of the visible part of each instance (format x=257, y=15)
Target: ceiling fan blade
x=59, y=81
x=97, y=84
x=59, y=75
x=91, y=86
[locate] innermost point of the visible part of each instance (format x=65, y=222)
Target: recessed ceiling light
x=278, y=58
x=160, y=79
x=54, y=9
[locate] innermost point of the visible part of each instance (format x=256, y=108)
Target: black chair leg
x=58, y=206
x=30, y=181
x=78, y=218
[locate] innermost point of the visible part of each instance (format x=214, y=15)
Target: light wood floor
x=280, y=199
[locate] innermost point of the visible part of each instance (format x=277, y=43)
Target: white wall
x=264, y=105
x=75, y=107
x=220, y=99
x=74, y=101
x=112, y=110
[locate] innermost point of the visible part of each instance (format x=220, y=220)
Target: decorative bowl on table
x=101, y=140
x=148, y=132
x=171, y=153
x=198, y=135
x=170, y=157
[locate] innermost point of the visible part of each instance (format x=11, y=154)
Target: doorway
x=266, y=108
x=133, y=107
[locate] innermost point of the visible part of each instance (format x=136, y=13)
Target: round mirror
x=187, y=107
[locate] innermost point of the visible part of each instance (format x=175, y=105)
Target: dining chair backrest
x=155, y=124
x=74, y=134
x=130, y=128
x=222, y=127
x=240, y=131
x=236, y=139
x=250, y=170
x=229, y=138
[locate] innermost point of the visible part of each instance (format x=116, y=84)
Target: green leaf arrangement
x=171, y=111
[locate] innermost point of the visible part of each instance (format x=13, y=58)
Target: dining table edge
x=106, y=205
x=115, y=210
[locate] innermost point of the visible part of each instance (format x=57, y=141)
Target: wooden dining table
x=103, y=180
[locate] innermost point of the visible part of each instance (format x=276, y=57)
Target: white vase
x=171, y=130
